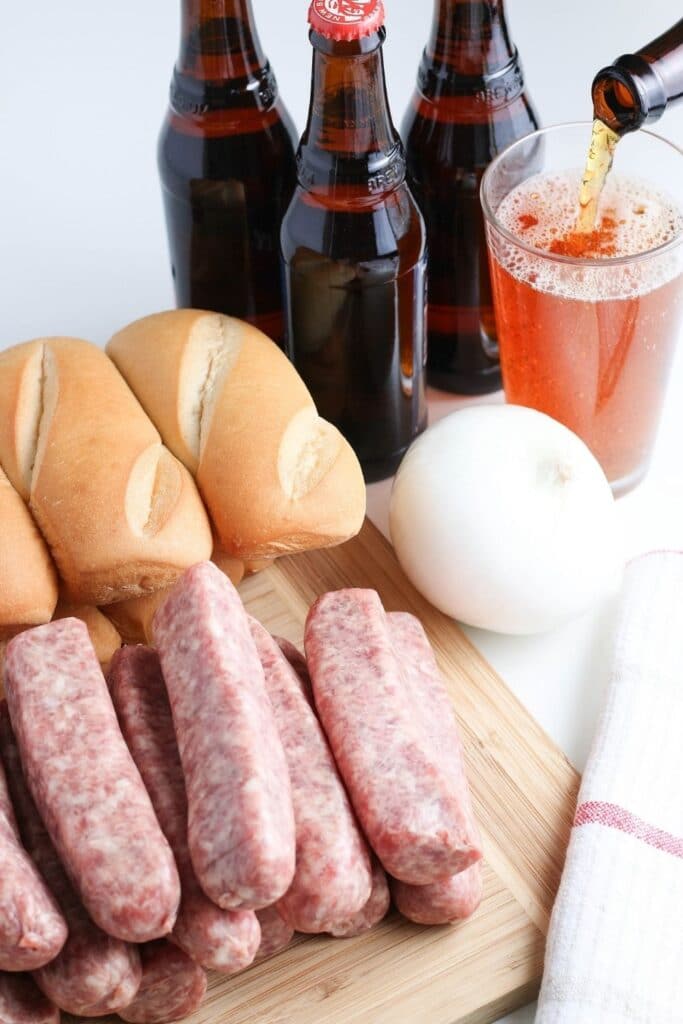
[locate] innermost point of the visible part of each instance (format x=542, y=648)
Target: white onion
x=503, y=519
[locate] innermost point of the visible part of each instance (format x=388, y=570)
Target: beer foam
x=544, y=208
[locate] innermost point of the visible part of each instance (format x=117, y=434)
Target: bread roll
x=28, y=581
x=233, y=568
x=121, y=516
x=274, y=475
x=133, y=618
x=104, y=636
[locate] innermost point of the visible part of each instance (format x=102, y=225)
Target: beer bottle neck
x=218, y=40
x=221, y=62
x=471, y=38
x=638, y=87
x=470, y=54
x=350, y=138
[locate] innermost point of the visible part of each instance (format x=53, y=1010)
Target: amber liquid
x=353, y=245
x=598, y=165
x=599, y=368
x=596, y=363
x=226, y=160
x=224, y=200
x=469, y=104
x=357, y=321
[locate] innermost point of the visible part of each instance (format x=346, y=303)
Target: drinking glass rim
x=575, y=261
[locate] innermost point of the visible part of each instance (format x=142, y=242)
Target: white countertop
x=83, y=247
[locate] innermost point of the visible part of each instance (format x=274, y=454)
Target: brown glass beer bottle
x=637, y=88
x=469, y=104
x=226, y=159
x=353, y=244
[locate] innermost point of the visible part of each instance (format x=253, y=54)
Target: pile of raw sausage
x=216, y=794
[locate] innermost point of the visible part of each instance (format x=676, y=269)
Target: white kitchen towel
x=615, y=945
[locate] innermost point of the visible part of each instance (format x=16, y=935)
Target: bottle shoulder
x=232, y=106
x=190, y=95
x=463, y=134
x=389, y=225
x=184, y=139
x=446, y=94
x=355, y=175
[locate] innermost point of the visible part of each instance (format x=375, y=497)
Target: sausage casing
x=452, y=899
x=32, y=929
x=332, y=880
x=93, y=974
x=400, y=788
x=429, y=694
x=276, y=934
x=376, y=908
x=172, y=987
x=85, y=784
x=240, y=815
x=21, y=1002
x=221, y=940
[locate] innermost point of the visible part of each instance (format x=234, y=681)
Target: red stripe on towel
x=613, y=816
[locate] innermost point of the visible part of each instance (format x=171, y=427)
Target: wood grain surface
x=524, y=793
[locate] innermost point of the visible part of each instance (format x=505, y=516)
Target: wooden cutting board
x=524, y=793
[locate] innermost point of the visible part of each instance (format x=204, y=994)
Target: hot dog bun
x=104, y=636
x=120, y=515
x=228, y=403
x=28, y=581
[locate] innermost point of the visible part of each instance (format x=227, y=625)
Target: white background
x=83, y=89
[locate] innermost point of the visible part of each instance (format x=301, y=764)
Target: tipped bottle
x=470, y=103
x=226, y=159
x=353, y=243
x=638, y=87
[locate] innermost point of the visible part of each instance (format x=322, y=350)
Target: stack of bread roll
x=118, y=470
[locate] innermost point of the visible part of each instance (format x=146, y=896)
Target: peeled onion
x=503, y=519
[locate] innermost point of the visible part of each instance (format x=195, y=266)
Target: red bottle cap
x=346, y=19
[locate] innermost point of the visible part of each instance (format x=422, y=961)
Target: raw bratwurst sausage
x=93, y=974
x=275, y=932
x=409, y=806
x=32, y=930
x=173, y=986
x=374, y=910
x=298, y=663
x=223, y=940
x=444, y=902
x=22, y=1003
x=430, y=696
x=85, y=784
x=332, y=880
x=241, y=821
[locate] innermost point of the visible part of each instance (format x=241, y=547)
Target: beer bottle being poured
x=470, y=103
x=226, y=159
x=638, y=87
x=633, y=91
x=353, y=243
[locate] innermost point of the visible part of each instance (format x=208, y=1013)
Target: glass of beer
x=588, y=320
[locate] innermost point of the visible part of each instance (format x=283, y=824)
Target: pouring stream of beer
x=600, y=156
